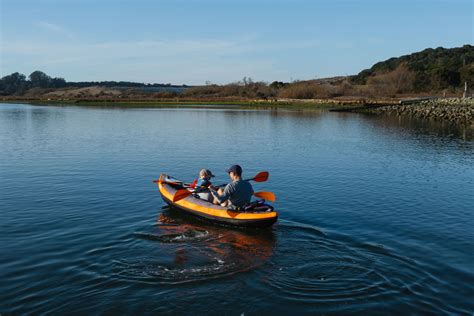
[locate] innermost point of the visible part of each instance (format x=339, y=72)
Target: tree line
x=17, y=83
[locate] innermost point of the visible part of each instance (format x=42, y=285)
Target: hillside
x=428, y=70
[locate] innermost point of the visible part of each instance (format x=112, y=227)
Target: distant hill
x=428, y=70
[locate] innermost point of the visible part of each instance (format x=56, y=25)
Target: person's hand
x=212, y=191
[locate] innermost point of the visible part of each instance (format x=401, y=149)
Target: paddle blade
x=261, y=176
x=181, y=194
x=269, y=196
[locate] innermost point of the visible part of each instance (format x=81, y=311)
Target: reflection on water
x=375, y=213
x=413, y=125
x=191, y=251
x=196, y=251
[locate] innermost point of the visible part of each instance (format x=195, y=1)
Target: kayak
x=261, y=216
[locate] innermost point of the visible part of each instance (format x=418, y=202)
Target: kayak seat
x=258, y=206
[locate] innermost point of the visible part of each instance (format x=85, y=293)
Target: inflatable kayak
x=256, y=215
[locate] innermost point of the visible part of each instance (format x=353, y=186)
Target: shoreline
x=321, y=103
x=459, y=111
x=185, y=103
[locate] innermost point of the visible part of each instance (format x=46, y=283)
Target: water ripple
x=318, y=269
x=186, y=252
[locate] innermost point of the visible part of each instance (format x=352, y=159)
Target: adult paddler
x=236, y=194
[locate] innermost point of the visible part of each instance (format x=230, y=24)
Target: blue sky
x=191, y=42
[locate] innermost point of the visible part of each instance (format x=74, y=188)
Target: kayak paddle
x=266, y=195
x=269, y=196
x=260, y=177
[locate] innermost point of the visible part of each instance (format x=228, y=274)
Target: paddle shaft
x=260, y=177
x=183, y=193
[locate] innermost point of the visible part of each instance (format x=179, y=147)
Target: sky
x=221, y=41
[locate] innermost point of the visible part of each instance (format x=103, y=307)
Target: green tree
x=467, y=74
x=40, y=79
x=58, y=83
x=278, y=84
x=13, y=84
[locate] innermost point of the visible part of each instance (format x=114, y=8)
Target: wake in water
x=306, y=266
x=182, y=251
x=186, y=236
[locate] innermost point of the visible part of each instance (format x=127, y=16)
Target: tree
x=13, y=84
x=40, y=79
x=467, y=74
x=58, y=83
x=278, y=84
x=247, y=81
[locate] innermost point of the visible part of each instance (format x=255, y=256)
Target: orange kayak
x=260, y=217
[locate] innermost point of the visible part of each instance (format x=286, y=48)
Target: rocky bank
x=456, y=110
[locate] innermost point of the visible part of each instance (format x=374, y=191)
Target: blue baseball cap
x=235, y=169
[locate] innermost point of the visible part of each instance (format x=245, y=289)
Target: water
x=376, y=213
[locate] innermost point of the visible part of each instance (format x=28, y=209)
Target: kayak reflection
x=233, y=250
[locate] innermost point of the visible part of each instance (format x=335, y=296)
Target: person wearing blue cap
x=236, y=194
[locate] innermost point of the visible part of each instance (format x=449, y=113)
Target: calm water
x=376, y=214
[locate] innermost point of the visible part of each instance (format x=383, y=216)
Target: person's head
x=205, y=174
x=235, y=172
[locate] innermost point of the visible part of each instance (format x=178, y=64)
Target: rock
x=458, y=110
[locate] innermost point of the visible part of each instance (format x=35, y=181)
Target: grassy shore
x=243, y=104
